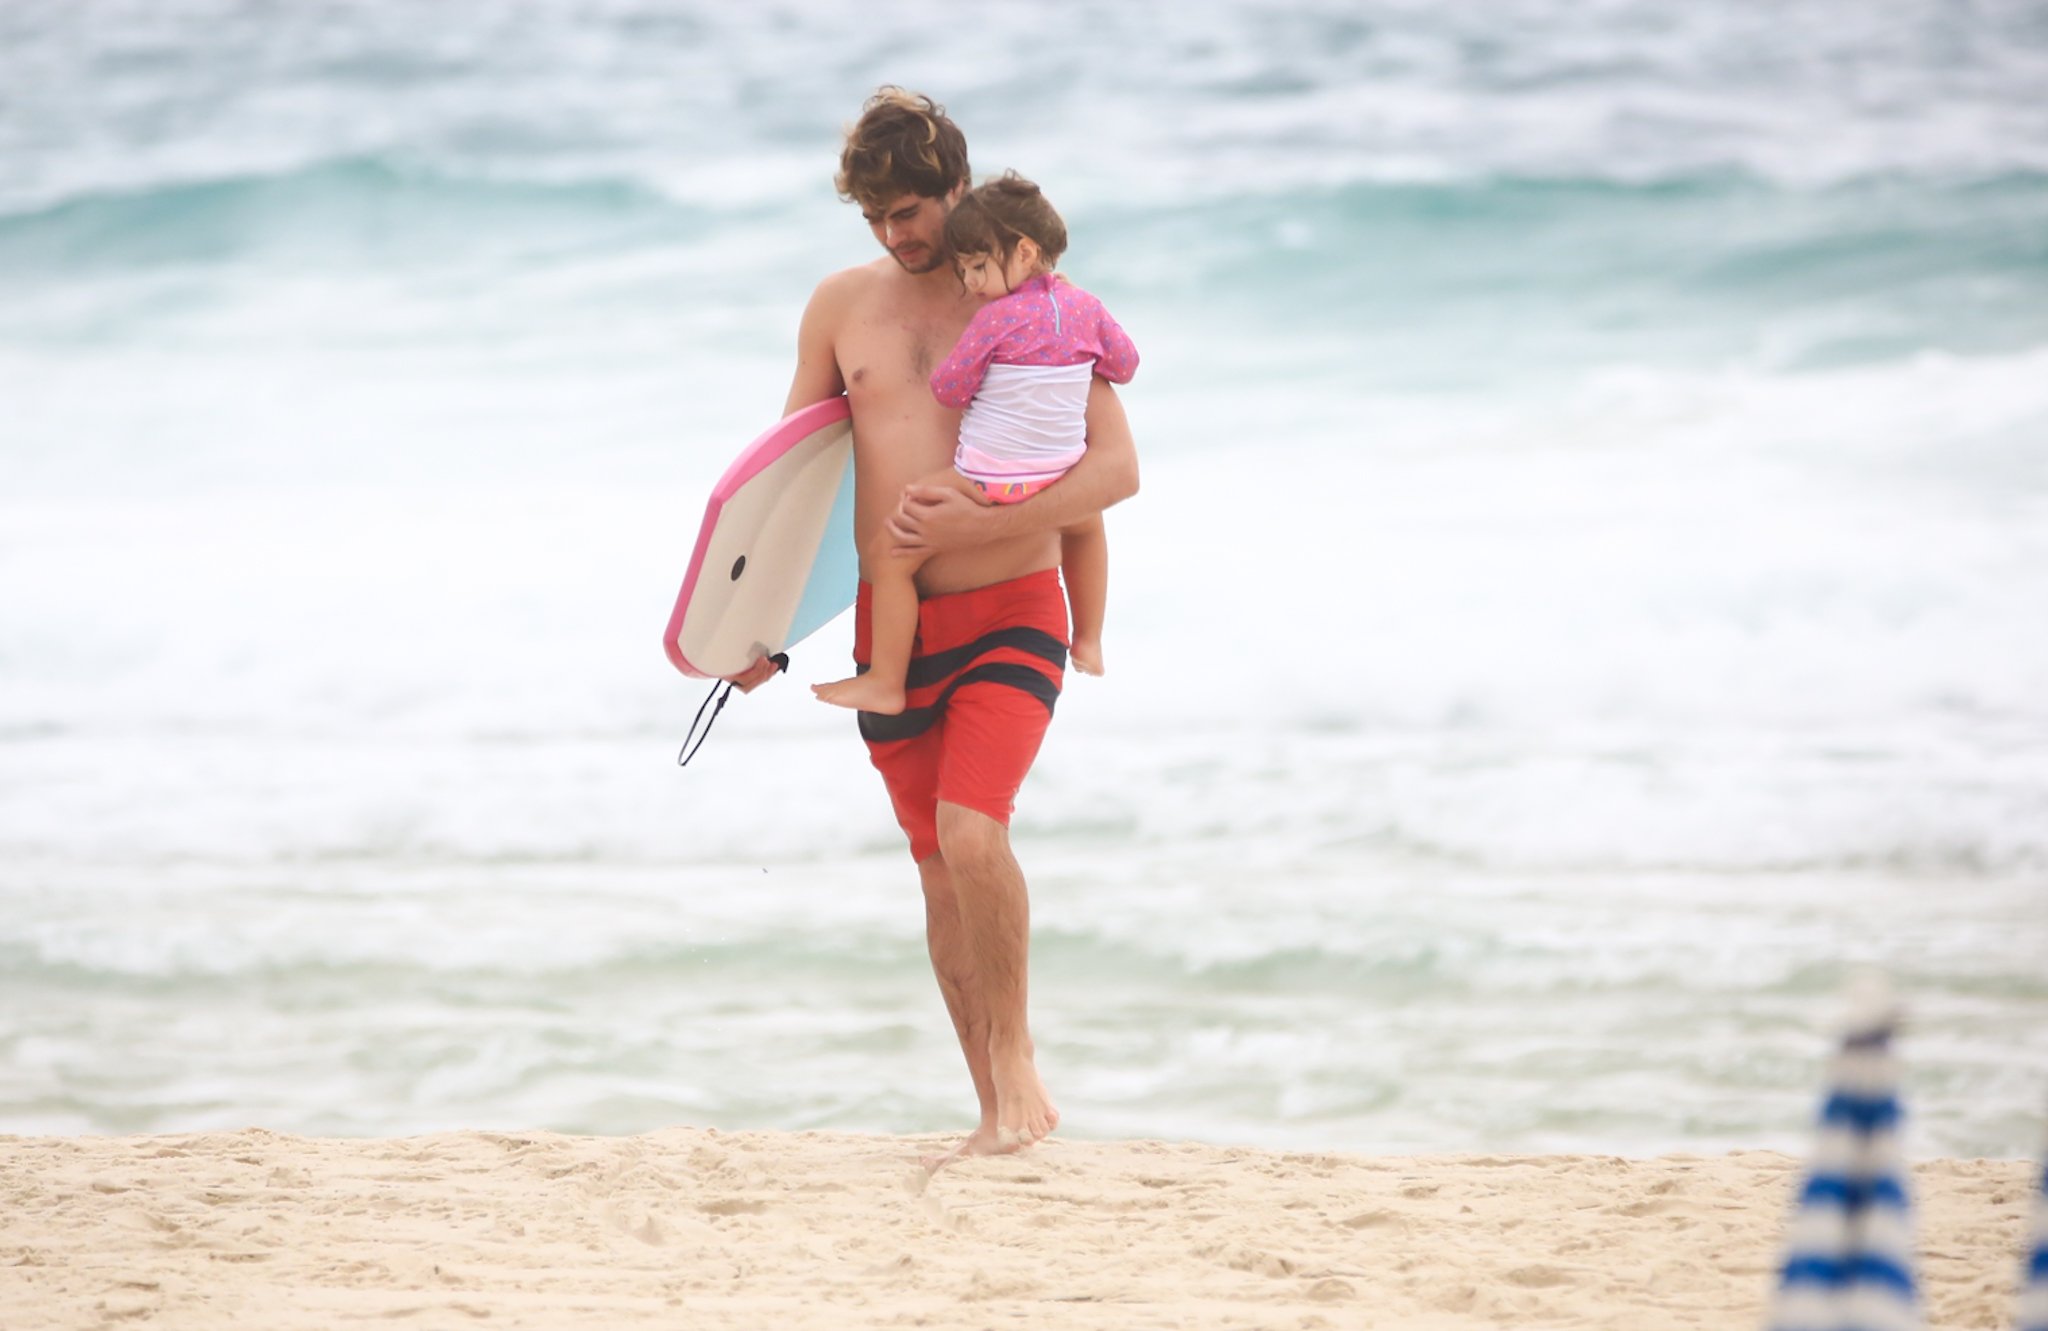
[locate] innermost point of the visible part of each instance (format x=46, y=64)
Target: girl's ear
x=1028, y=249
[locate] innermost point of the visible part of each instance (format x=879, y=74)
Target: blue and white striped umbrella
x=1849, y=1246
x=2033, y=1315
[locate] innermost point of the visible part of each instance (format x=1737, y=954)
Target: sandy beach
x=699, y=1228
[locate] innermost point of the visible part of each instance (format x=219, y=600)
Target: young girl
x=1021, y=370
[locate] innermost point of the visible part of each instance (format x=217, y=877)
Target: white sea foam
x=1586, y=591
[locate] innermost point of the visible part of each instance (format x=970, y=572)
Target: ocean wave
x=1314, y=1003
x=1174, y=97
x=1348, y=932
x=1390, y=285
x=1456, y=283
x=358, y=210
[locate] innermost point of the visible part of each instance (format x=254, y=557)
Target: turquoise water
x=1586, y=595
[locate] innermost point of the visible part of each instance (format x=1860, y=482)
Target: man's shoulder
x=850, y=284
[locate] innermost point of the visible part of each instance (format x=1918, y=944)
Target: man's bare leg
x=953, y=964
x=995, y=918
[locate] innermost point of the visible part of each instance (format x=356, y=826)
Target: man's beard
x=935, y=258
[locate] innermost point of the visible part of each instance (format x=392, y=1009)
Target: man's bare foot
x=1086, y=654
x=981, y=1141
x=863, y=692
x=1024, y=1112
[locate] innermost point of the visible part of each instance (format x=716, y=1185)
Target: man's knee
x=937, y=881
x=970, y=841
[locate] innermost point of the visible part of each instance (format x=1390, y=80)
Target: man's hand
x=932, y=519
x=755, y=675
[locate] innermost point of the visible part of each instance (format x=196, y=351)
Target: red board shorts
x=985, y=671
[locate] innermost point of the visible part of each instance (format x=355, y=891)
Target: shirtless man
x=992, y=621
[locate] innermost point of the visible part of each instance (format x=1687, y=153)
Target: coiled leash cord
x=715, y=700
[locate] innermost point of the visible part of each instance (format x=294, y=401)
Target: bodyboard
x=774, y=558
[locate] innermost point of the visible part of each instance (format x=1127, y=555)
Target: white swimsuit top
x=1026, y=422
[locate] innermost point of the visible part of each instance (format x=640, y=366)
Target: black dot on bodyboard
x=739, y=566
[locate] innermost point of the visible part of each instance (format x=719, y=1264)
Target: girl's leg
x=1084, y=563
x=894, y=627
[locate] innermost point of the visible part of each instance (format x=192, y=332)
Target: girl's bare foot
x=1086, y=654
x=862, y=692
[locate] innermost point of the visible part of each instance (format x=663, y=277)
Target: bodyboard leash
x=721, y=690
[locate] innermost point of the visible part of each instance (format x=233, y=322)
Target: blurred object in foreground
x=2033, y=1309
x=1849, y=1248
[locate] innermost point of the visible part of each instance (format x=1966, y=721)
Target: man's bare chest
x=883, y=352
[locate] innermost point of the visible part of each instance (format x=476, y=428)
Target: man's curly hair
x=903, y=143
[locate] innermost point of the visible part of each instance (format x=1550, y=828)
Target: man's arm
x=817, y=378
x=939, y=518
x=817, y=359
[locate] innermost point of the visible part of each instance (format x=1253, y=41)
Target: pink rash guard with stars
x=1021, y=370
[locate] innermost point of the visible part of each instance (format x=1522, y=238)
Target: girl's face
x=982, y=275
x=986, y=276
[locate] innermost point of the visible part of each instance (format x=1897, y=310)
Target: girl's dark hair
x=993, y=216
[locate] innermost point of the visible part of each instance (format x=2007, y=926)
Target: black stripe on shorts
x=876, y=728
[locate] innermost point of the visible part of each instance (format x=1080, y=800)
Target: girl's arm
x=958, y=377
x=1119, y=359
